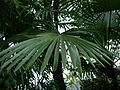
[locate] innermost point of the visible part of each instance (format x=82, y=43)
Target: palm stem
x=58, y=77
x=58, y=74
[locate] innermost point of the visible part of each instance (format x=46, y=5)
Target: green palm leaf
x=48, y=54
x=56, y=56
x=39, y=51
x=24, y=54
x=63, y=52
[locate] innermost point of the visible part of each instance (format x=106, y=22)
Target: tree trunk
x=58, y=77
x=58, y=74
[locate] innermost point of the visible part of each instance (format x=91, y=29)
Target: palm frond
x=24, y=54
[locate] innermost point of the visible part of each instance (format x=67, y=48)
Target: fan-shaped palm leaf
x=24, y=54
